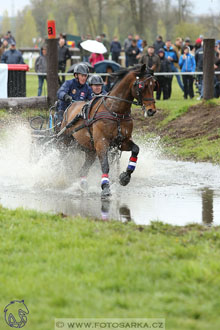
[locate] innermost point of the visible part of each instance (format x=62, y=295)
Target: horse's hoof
x=83, y=184
x=105, y=192
x=124, y=178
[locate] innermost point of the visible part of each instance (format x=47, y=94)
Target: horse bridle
x=139, y=86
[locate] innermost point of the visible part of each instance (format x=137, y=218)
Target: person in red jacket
x=94, y=58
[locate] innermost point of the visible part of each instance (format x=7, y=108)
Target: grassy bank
x=203, y=145
x=64, y=267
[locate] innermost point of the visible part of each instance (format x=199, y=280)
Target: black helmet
x=81, y=68
x=96, y=80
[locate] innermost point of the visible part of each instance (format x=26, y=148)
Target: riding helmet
x=81, y=68
x=96, y=80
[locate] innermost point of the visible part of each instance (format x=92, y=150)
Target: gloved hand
x=68, y=98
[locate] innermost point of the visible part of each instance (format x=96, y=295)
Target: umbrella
x=93, y=46
x=101, y=67
x=71, y=69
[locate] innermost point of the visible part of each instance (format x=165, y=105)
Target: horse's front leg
x=102, y=152
x=125, y=177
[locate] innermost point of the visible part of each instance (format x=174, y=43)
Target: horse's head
x=143, y=89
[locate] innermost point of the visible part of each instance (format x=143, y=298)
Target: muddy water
x=161, y=189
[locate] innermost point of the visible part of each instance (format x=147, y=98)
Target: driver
x=73, y=90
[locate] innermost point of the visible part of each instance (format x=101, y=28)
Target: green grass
x=32, y=85
x=201, y=149
x=65, y=267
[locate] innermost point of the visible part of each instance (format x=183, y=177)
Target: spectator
x=94, y=58
x=84, y=53
x=106, y=43
x=171, y=55
x=9, y=38
x=217, y=68
x=178, y=49
x=199, y=68
x=144, y=46
x=187, y=63
x=3, y=47
x=108, y=79
x=63, y=36
x=163, y=81
x=115, y=49
x=133, y=52
x=158, y=44
x=151, y=60
x=41, y=67
x=198, y=44
x=144, y=51
x=188, y=43
x=127, y=44
x=12, y=56
x=63, y=56
x=139, y=42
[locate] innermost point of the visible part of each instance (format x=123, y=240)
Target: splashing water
x=33, y=175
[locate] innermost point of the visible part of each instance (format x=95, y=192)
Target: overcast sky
x=200, y=6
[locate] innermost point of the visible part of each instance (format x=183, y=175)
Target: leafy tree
x=72, y=25
x=26, y=30
x=6, y=24
x=191, y=30
x=161, y=29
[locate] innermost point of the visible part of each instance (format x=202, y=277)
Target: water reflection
x=123, y=210
x=105, y=207
x=174, y=205
x=207, y=206
x=125, y=213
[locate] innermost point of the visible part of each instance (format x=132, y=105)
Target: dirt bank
x=200, y=120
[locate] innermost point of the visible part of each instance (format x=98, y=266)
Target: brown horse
x=109, y=122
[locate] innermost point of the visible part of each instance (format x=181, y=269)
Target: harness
x=108, y=114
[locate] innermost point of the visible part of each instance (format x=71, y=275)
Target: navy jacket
x=74, y=89
x=12, y=57
x=115, y=47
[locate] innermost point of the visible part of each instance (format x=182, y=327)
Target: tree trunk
x=100, y=16
x=134, y=15
x=90, y=19
x=141, y=18
x=52, y=70
x=208, y=68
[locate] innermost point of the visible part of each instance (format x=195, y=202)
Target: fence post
x=208, y=68
x=52, y=70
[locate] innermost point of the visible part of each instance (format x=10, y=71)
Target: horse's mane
x=138, y=69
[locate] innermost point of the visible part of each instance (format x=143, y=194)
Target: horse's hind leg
x=125, y=177
x=90, y=157
x=102, y=152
